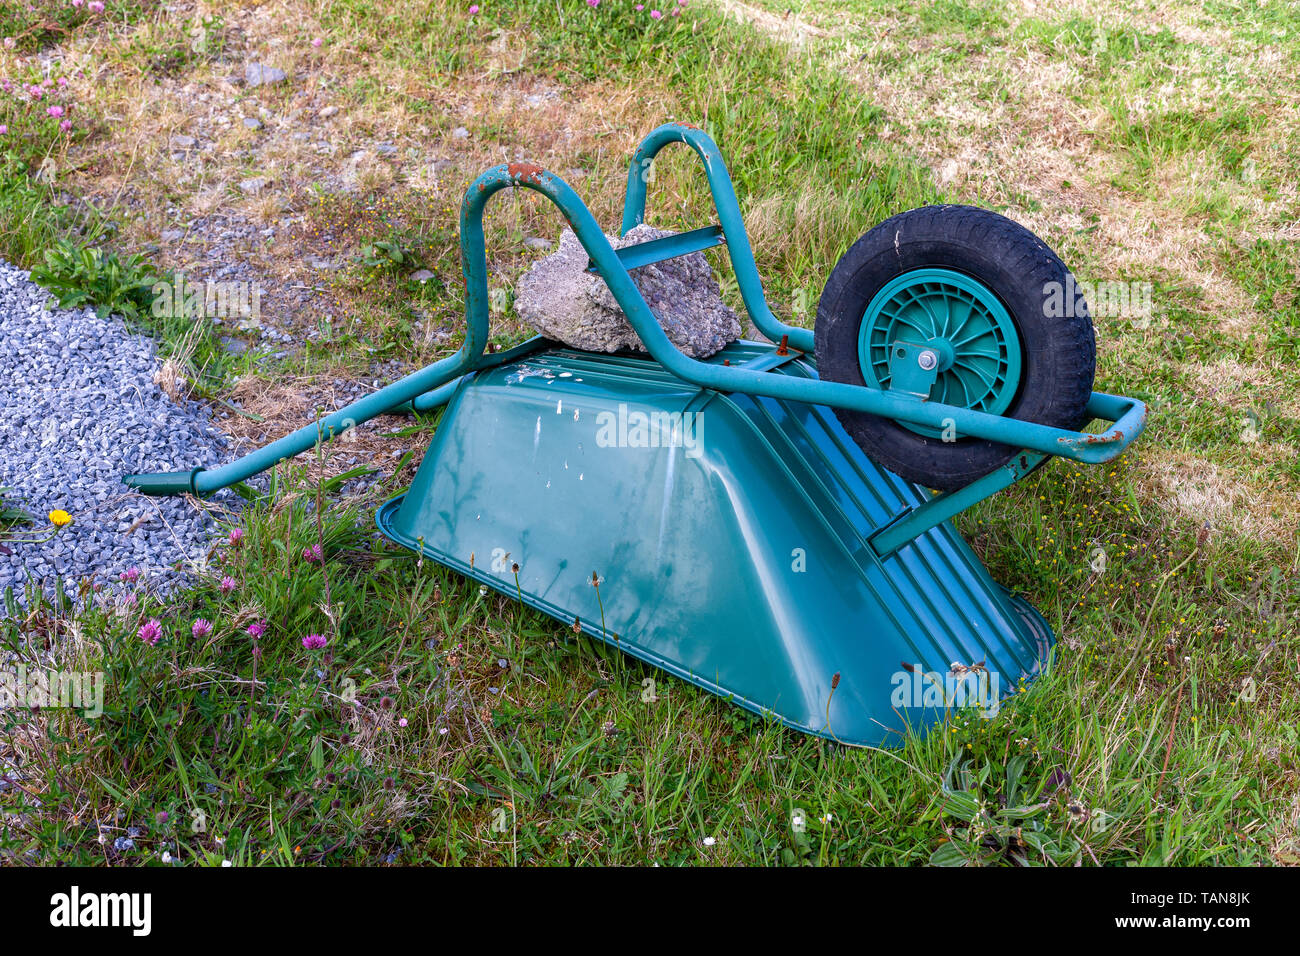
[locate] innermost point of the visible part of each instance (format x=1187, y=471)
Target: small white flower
x=797, y=821
x=226, y=863
x=442, y=731
x=166, y=857
x=827, y=819
x=709, y=841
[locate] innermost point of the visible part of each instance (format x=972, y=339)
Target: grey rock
x=327, y=112
x=252, y=122
x=251, y=187
x=460, y=132
x=537, y=243
x=259, y=74
x=181, y=141
x=559, y=299
x=422, y=275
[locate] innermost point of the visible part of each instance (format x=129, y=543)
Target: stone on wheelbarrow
x=563, y=301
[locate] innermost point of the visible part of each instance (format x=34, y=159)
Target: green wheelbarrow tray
x=712, y=518
x=731, y=535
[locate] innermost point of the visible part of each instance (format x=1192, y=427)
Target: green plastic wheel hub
x=955, y=325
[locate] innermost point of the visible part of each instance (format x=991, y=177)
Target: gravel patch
x=79, y=409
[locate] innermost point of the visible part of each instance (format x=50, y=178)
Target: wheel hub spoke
x=958, y=318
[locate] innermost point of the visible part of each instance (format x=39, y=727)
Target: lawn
x=441, y=724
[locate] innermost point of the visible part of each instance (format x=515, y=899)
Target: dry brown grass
x=1286, y=848
x=315, y=137
x=789, y=27
x=1029, y=139
x=281, y=406
x=1239, y=386
x=1027, y=144
x=1197, y=492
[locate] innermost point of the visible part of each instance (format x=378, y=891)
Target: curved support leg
x=729, y=218
x=203, y=481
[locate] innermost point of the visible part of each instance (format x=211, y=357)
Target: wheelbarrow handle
x=1129, y=416
x=889, y=404
x=640, y=175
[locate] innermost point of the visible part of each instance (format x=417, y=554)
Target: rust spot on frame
x=525, y=172
x=1104, y=439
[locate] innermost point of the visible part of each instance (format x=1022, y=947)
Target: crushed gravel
x=79, y=409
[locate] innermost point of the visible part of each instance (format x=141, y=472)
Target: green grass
x=38, y=24
x=33, y=148
x=1164, y=731
x=11, y=515
x=33, y=215
x=571, y=764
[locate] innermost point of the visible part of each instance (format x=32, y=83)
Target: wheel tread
x=1063, y=348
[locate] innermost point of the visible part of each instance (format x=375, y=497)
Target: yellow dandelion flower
x=60, y=518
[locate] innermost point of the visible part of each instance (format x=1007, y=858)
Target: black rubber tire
x=1058, y=357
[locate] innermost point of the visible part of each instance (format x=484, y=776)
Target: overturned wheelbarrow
x=758, y=523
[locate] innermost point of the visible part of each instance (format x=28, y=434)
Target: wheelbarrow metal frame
x=433, y=385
